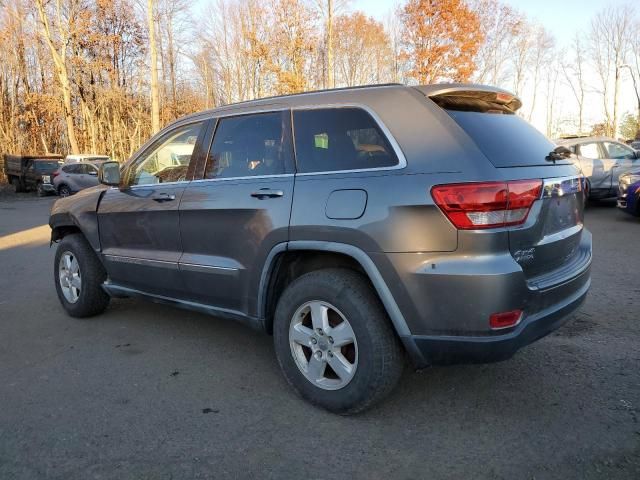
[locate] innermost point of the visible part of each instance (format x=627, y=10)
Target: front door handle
x=163, y=197
x=267, y=193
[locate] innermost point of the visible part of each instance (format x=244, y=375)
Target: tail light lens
x=55, y=174
x=498, y=321
x=472, y=206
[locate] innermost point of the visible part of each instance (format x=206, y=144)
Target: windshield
x=506, y=139
x=46, y=167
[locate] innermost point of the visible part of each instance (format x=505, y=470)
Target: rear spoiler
x=469, y=97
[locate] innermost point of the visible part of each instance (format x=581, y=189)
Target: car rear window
x=45, y=167
x=506, y=139
x=335, y=139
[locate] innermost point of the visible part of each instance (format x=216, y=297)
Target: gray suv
x=359, y=226
x=73, y=177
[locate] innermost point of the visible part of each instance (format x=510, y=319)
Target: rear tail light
x=498, y=321
x=55, y=174
x=471, y=206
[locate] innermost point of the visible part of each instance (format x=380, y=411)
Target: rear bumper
x=47, y=187
x=447, y=304
x=446, y=350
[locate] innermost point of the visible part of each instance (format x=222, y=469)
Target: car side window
x=590, y=150
x=72, y=169
x=168, y=159
x=617, y=151
x=250, y=145
x=331, y=139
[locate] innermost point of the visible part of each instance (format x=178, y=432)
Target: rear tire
x=375, y=357
x=79, y=275
x=64, y=190
x=17, y=185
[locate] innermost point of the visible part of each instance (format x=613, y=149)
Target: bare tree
x=574, y=73
x=541, y=53
x=500, y=25
x=329, y=9
x=611, y=29
x=58, y=47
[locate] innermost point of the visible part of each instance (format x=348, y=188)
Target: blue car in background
x=629, y=192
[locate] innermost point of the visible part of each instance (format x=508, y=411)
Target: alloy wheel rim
x=69, y=277
x=64, y=192
x=323, y=345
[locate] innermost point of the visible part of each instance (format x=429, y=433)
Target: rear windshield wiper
x=558, y=153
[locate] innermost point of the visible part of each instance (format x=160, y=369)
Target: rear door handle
x=163, y=197
x=267, y=193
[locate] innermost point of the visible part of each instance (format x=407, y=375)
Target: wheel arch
x=63, y=184
x=77, y=214
x=329, y=254
x=63, y=224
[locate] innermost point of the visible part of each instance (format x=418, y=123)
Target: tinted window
x=46, y=167
x=618, y=151
x=506, y=139
x=340, y=139
x=250, y=145
x=169, y=158
x=73, y=169
x=590, y=150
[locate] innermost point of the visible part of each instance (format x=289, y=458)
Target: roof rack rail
x=323, y=90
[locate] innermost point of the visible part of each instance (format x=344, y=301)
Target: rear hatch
x=547, y=244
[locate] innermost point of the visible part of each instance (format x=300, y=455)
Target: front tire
x=334, y=342
x=78, y=275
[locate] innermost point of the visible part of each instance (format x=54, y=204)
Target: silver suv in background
x=601, y=160
x=73, y=177
x=358, y=226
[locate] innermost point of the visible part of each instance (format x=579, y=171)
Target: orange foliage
x=441, y=39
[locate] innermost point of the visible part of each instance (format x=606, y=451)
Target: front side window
x=250, y=145
x=332, y=139
x=618, y=151
x=590, y=150
x=168, y=160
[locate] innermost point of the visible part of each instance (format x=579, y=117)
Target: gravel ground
x=151, y=392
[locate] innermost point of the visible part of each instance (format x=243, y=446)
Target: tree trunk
x=59, y=59
x=155, y=101
x=330, y=79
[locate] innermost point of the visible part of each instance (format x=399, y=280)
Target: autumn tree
x=57, y=28
x=294, y=38
x=363, y=54
x=440, y=39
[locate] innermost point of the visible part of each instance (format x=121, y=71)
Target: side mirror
x=109, y=174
